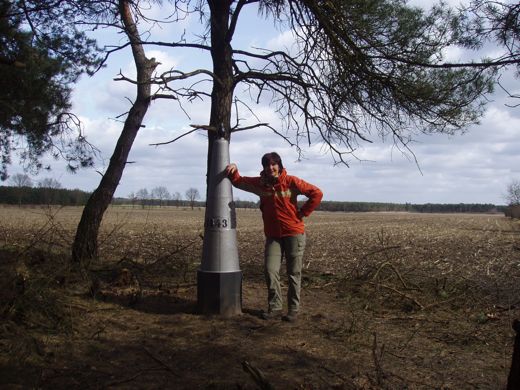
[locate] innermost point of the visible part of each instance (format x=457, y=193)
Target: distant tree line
x=155, y=203
x=42, y=195
x=50, y=191
x=160, y=196
x=418, y=208
x=406, y=207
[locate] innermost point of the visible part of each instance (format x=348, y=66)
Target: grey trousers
x=276, y=248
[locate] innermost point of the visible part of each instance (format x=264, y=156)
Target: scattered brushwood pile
x=413, y=277
x=34, y=302
x=37, y=282
x=390, y=300
x=417, y=262
x=39, y=285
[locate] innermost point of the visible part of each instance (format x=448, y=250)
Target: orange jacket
x=278, y=202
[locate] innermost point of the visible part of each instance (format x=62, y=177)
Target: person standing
x=283, y=227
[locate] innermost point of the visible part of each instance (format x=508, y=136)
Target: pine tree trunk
x=223, y=86
x=85, y=246
x=85, y=243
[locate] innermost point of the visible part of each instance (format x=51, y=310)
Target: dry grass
x=391, y=300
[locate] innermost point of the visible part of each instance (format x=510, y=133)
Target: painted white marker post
x=219, y=279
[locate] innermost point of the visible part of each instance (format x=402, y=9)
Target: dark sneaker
x=292, y=316
x=271, y=314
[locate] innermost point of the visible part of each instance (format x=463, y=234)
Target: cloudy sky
x=471, y=168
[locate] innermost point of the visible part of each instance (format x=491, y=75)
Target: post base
x=219, y=293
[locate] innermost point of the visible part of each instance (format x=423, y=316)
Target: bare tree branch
x=236, y=129
x=175, y=139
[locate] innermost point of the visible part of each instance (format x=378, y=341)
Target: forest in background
x=75, y=197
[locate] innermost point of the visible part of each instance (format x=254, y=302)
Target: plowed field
x=389, y=301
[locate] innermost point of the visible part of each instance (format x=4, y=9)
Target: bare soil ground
x=390, y=301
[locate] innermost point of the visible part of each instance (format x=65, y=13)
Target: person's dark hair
x=272, y=157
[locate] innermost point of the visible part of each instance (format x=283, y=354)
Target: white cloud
x=283, y=41
x=427, y=4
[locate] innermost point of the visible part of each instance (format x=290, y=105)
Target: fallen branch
x=98, y=332
x=257, y=375
x=131, y=378
x=339, y=375
x=175, y=251
x=160, y=362
x=442, y=302
x=377, y=356
x=421, y=306
x=393, y=269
